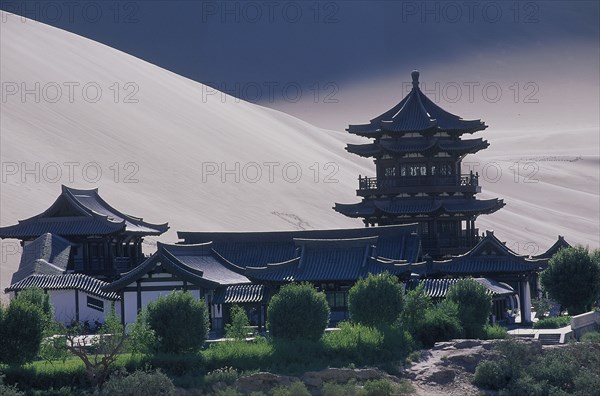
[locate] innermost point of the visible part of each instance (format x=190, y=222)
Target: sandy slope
x=163, y=156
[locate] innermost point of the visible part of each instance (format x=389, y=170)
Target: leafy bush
x=354, y=342
x=178, y=365
x=140, y=336
x=474, y=305
x=239, y=321
x=226, y=375
x=494, y=332
x=38, y=298
x=243, y=356
x=298, y=311
x=228, y=391
x=8, y=390
x=526, y=369
x=138, y=383
x=179, y=321
x=381, y=387
x=296, y=388
x=439, y=323
x=416, y=302
x=591, y=337
x=552, y=323
x=335, y=389
x=375, y=300
x=21, y=332
x=491, y=374
x=573, y=278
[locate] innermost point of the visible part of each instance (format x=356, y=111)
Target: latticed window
x=390, y=171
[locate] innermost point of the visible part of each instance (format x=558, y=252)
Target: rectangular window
x=390, y=171
x=96, y=304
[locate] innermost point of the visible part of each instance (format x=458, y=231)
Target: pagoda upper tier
x=416, y=113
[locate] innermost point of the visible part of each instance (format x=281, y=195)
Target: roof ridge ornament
x=415, y=78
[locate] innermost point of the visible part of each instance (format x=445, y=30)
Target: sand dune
x=166, y=148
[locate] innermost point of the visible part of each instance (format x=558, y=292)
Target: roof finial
x=415, y=78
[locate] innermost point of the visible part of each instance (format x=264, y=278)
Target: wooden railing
x=372, y=183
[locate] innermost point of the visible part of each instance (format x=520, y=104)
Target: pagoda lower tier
x=446, y=224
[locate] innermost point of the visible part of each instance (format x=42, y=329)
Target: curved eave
x=146, y=228
x=355, y=210
x=416, y=207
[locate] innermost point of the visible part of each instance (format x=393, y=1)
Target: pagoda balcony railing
x=467, y=182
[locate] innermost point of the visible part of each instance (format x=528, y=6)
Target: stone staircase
x=549, y=339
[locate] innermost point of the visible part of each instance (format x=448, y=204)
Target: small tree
x=140, y=336
x=375, y=300
x=37, y=297
x=573, y=278
x=239, y=321
x=98, y=352
x=298, y=311
x=21, y=332
x=474, y=305
x=179, y=321
x=416, y=303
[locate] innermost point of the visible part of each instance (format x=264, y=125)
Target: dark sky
x=235, y=44
x=309, y=40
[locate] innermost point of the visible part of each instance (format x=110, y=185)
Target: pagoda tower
x=417, y=149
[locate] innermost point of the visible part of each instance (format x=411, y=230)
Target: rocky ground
x=447, y=369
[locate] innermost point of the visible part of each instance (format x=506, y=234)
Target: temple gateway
x=419, y=214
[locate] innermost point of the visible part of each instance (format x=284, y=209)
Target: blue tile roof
x=257, y=249
x=489, y=256
x=81, y=212
x=80, y=282
x=331, y=260
x=416, y=113
x=48, y=254
x=403, y=206
x=241, y=294
x=197, y=264
x=438, y=288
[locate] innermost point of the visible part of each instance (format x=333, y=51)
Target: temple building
x=102, y=241
x=417, y=148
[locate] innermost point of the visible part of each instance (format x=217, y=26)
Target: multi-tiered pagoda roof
x=417, y=150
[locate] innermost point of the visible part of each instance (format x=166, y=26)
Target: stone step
x=549, y=339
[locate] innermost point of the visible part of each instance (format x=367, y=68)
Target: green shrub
x=298, y=311
x=591, y=337
x=297, y=356
x=141, y=339
x=178, y=365
x=383, y=387
x=38, y=298
x=239, y=322
x=354, y=342
x=439, y=323
x=138, y=383
x=474, y=305
x=8, y=390
x=573, y=278
x=296, y=388
x=494, y=332
x=492, y=374
x=335, y=389
x=228, y=391
x=243, y=356
x=179, y=321
x=416, y=302
x=21, y=332
x=375, y=300
x=552, y=323
x=226, y=375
